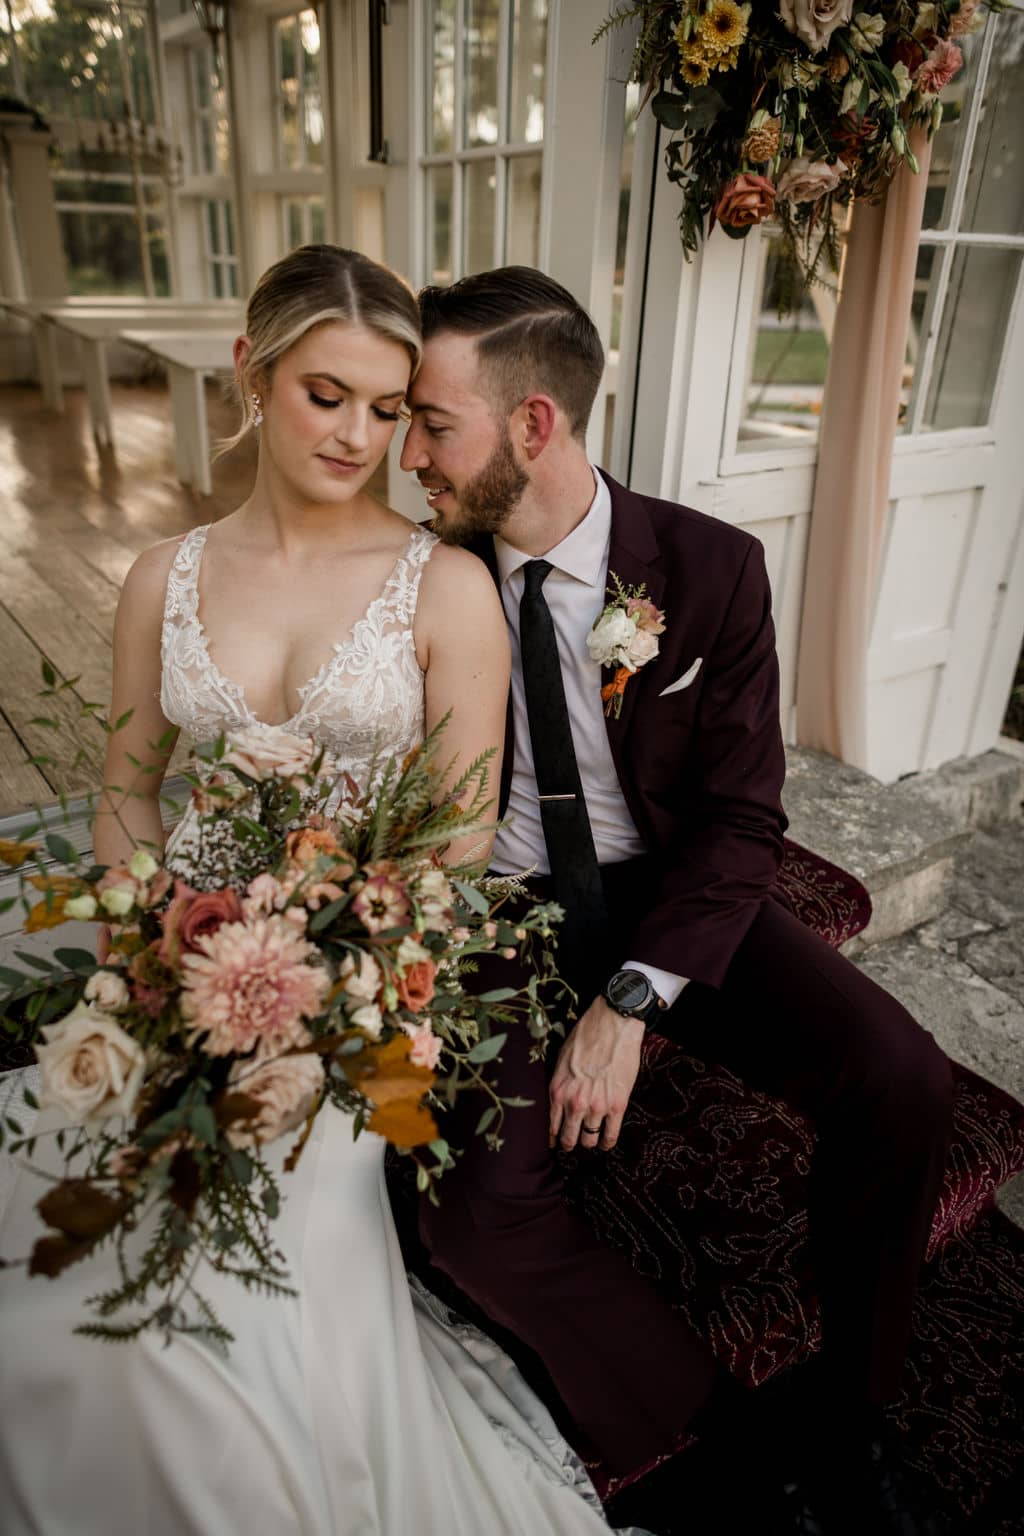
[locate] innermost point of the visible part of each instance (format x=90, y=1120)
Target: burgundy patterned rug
x=706, y=1194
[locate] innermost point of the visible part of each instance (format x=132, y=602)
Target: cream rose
x=642, y=648
x=285, y=1088
x=118, y=901
x=81, y=907
x=609, y=640
x=107, y=991
x=360, y=980
x=143, y=866
x=814, y=21
x=411, y=952
x=368, y=1018
x=867, y=32
x=804, y=181
x=262, y=753
x=90, y=1068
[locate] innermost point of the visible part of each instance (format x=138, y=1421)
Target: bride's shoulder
x=148, y=575
x=458, y=588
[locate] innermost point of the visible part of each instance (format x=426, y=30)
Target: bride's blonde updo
x=308, y=287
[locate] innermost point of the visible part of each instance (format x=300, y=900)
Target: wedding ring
x=592, y=1130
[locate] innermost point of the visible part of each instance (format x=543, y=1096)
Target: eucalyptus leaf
x=486, y=1050
x=473, y=898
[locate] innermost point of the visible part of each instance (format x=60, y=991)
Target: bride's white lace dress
x=357, y=1408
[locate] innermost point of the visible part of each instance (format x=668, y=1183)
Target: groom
x=654, y=816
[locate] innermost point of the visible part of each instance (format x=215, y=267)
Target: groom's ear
x=533, y=423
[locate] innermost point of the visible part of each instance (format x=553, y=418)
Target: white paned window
x=302, y=221
x=482, y=134
x=300, y=115
x=972, y=244
x=219, y=238
x=210, y=142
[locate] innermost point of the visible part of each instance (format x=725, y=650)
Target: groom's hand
x=597, y=1068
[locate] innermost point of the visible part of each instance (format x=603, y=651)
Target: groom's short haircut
x=532, y=337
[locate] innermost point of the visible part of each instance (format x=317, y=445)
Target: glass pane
x=921, y=322
x=229, y=228
x=232, y=274
x=316, y=220
x=529, y=46
x=788, y=358
x=103, y=253
x=289, y=145
x=994, y=196
x=159, y=265
x=309, y=30
x=201, y=77
x=314, y=128
x=206, y=153
x=218, y=288
x=212, y=229
x=293, y=223
x=975, y=320
x=443, y=114
x=522, y=236
x=439, y=223
x=290, y=150
x=221, y=139
x=478, y=216
x=947, y=144
x=480, y=125
x=287, y=58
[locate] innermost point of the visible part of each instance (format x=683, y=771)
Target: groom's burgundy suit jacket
x=701, y=768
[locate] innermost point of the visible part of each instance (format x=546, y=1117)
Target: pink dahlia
x=938, y=69
x=251, y=985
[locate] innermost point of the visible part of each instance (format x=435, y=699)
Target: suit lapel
x=632, y=554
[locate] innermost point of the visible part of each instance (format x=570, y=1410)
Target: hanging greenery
x=791, y=109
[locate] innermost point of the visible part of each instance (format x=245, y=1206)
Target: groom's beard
x=487, y=502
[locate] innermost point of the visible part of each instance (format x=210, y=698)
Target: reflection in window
x=210, y=145
x=788, y=355
x=300, y=119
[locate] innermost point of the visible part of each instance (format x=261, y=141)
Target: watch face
x=628, y=990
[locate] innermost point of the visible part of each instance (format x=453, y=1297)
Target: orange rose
x=416, y=985
x=744, y=201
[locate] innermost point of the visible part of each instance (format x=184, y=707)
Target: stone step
x=900, y=839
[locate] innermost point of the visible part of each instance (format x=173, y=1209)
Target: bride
x=357, y=1408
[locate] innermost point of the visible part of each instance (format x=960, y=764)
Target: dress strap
x=401, y=590
x=182, y=599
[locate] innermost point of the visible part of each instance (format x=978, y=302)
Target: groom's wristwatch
x=632, y=994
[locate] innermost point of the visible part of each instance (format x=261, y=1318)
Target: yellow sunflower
x=724, y=27
x=694, y=68
x=726, y=60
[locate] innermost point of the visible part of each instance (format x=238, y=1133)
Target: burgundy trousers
x=798, y=1021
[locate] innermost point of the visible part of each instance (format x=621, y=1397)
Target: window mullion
x=458, y=142
x=971, y=126
x=506, y=21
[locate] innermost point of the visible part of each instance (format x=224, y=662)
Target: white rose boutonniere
x=624, y=636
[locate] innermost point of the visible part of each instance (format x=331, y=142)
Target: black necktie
x=575, y=875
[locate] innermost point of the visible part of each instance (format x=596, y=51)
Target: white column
x=42, y=250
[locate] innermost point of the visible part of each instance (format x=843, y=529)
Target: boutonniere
x=624, y=636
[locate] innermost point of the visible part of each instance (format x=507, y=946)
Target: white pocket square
x=684, y=681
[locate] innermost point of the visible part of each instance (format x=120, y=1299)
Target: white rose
x=143, y=865
x=435, y=900
x=81, y=907
x=90, y=1068
x=118, y=901
x=285, y=1088
x=368, y=1018
x=867, y=32
x=814, y=21
x=107, y=991
x=642, y=648
x=409, y=952
x=360, y=980
x=610, y=637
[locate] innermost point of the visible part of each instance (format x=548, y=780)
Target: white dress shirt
x=575, y=595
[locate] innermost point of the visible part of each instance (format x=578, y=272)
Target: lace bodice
x=367, y=695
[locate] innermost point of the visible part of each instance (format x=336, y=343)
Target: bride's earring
x=257, y=411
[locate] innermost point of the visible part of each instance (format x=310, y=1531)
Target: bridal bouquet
x=792, y=109
x=300, y=944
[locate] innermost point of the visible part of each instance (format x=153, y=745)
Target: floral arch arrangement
x=792, y=108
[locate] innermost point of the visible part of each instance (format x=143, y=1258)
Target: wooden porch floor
x=72, y=520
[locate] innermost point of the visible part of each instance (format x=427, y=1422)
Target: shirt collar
x=582, y=554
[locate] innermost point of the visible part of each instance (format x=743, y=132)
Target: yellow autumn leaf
x=395, y=1087
x=50, y=913
x=13, y=854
